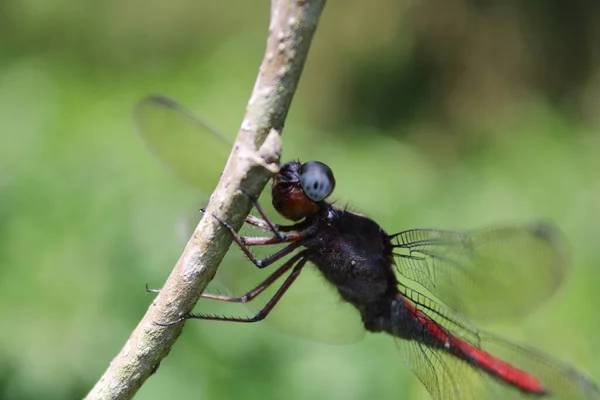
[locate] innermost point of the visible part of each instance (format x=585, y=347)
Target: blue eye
x=317, y=180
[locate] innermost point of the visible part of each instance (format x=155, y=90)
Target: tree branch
x=254, y=159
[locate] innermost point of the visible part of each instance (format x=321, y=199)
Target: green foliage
x=88, y=215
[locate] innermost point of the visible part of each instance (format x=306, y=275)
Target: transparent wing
x=197, y=153
x=311, y=308
x=187, y=145
x=501, y=272
x=447, y=377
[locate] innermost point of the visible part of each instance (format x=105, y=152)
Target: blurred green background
x=432, y=114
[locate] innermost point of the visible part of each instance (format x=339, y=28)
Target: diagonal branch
x=254, y=158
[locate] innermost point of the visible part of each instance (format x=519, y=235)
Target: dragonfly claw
x=152, y=290
x=178, y=320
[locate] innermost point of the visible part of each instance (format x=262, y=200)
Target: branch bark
x=254, y=158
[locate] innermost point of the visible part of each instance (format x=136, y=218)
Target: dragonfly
x=423, y=287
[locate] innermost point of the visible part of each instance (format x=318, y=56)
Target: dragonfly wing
x=444, y=377
x=311, y=308
x=196, y=152
x=183, y=142
x=561, y=381
x=448, y=377
x=501, y=272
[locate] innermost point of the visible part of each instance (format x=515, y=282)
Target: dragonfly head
x=299, y=190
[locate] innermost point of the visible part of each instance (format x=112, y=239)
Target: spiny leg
x=304, y=229
x=252, y=294
x=267, y=240
x=296, y=240
x=265, y=222
x=268, y=226
x=265, y=225
x=298, y=261
x=265, y=262
x=259, y=263
x=273, y=258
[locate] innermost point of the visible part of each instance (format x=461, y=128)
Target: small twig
x=254, y=158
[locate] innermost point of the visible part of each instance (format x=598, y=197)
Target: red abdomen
x=474, y=356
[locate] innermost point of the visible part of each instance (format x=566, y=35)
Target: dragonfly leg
x=265, y=222
x=152, y=290
x=268, y=226
x=268, y=240
x=265, y=225
x=271, y=259
x=298, y=262
x=245, y=242
x=260, y=264
x=251, y=295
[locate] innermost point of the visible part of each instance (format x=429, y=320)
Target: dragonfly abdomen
x=413, y=324
x=498, y=368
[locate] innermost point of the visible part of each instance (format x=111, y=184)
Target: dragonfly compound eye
x=317, y=180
